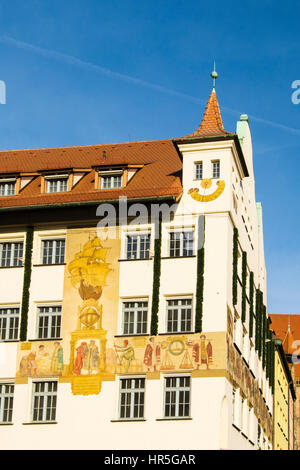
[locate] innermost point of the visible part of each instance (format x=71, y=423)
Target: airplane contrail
x=128, y=78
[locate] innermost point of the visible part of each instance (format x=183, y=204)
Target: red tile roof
x=287, y=328
x=211, y=124
x=158, y=175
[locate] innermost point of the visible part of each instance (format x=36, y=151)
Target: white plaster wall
x=136, y=278
x=178, y=276
x=46, y=287
x=8, y=359
x=11, y=285
x=85, y=422
x=215, y=273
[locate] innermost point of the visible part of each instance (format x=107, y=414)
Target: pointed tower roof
x=211, y=124
x=288, y=340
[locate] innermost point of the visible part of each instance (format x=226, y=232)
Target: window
x=198, y=171
x=181, y=244
x=11, y=254
x=138, y=246
x=6, y=402
x=259, y=436
x=44, y=401
x=235, y=206
x=132, y=398
x=9, y=324
x=179, y=315
x=251, y=425
x=57, y=184
x=135, y=318
x=53, y=251
x=7, y=187
x=111, y=180
x=49, y=322
x=216, y=169
x=177, y=397
x=234, y=411
x=236, y=405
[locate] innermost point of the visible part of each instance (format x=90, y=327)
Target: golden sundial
x=206, y=184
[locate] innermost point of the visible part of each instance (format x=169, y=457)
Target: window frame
x=181, y=243
x=136, y=311
x=12, y=253
x=44, y=407
x=112, y=175
x=54, y=240
x=196, y=165
x=177, y=390
x=213, y=163
x=147, y=243
x=62, y=180
x=133, y=391
x=10, y=319
x=49, y=326
x=8, y=181
x=3, y=397
x=179, y=316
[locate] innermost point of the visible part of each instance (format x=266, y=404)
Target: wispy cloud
x=68, y=59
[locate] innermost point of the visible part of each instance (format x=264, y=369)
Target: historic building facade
x=287, y=328
x=133, y=295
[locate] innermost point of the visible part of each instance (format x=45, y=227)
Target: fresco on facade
x=87, y=358
x=90, y=351
x=167, y=353
x=41, y=359
x=88, y=270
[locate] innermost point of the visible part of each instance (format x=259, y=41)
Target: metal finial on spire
x=214, y=75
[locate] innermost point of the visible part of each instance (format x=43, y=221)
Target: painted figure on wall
x=125, y=354
x=205, y=352
x=229, y=323
x=152, y=355
x=80, y=355
x=40, y=362
x=91, y=360
x=87, y=358
x=196, y=354
x=57, y=361
x=28, y=365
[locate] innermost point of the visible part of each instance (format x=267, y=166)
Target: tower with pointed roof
x=219, y=187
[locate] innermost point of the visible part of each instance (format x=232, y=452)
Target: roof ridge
x=85, y=146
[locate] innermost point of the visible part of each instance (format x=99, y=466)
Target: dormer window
x=111, y=179
x=56, y=183
x=8, y=187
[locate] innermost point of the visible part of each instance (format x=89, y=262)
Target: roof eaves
x=232, y=136
x=84, y=203
x=278, y=345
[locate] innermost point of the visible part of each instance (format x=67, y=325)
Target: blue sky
x=95, y=71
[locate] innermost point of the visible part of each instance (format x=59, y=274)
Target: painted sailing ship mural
x=88, y=271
